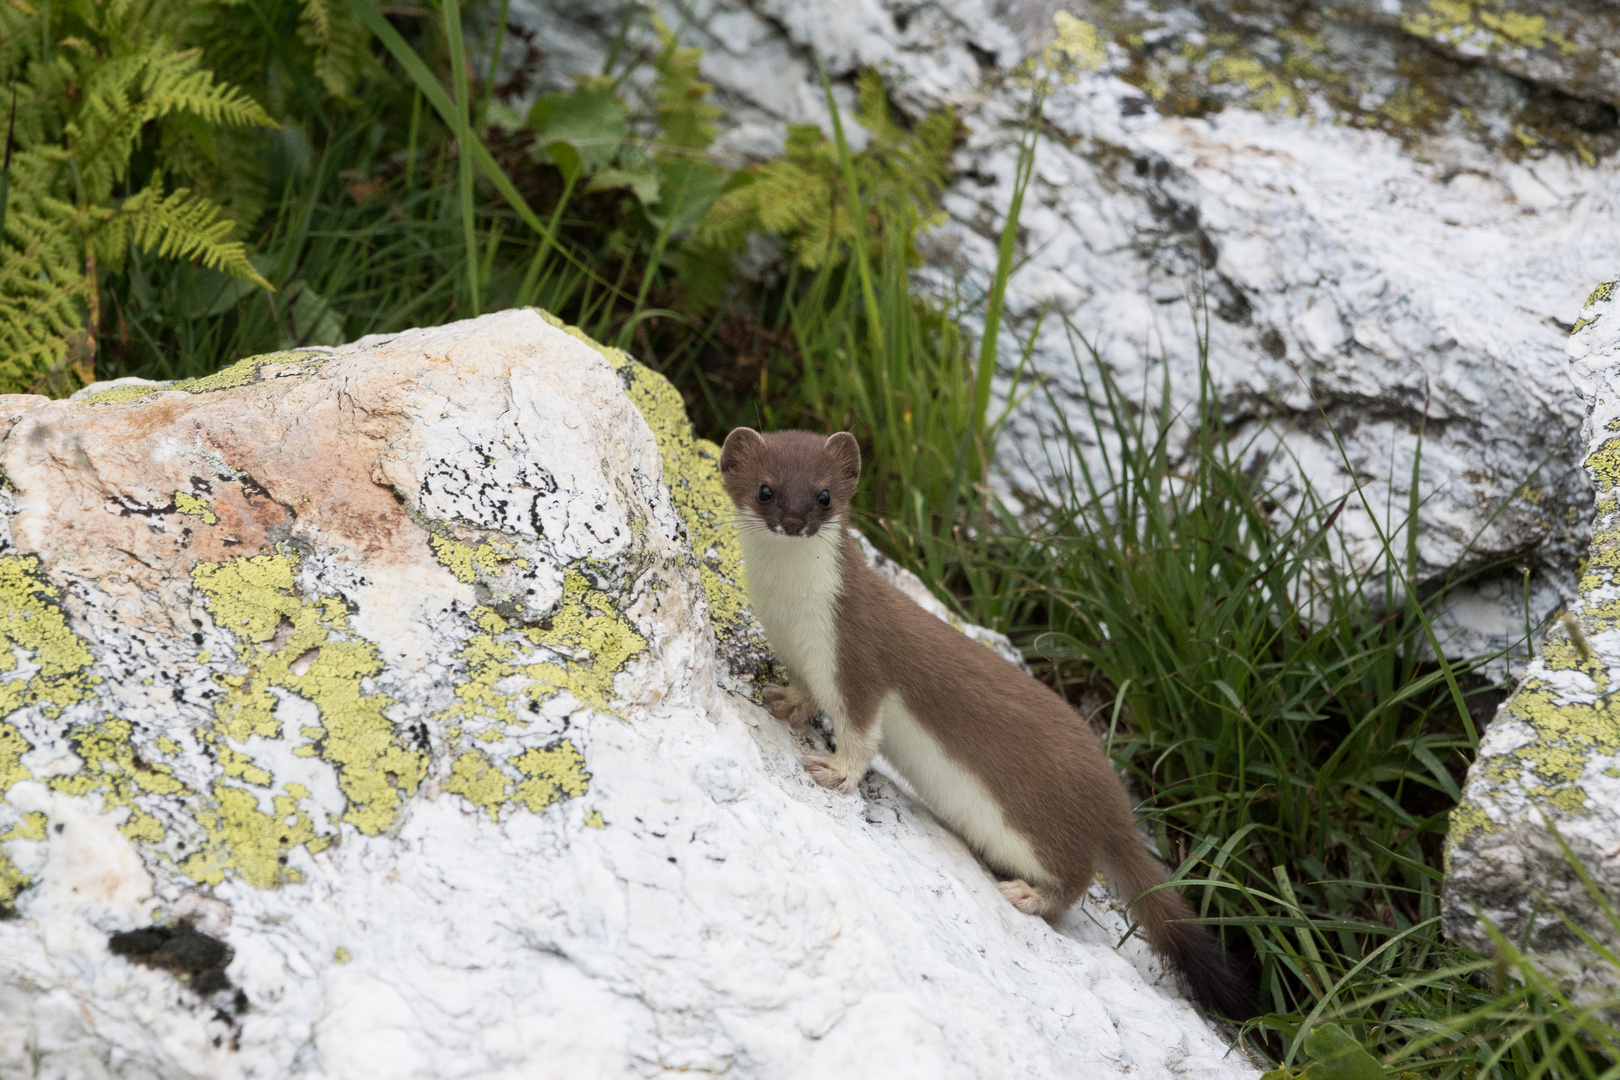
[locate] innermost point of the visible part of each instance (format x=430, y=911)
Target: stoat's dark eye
x=825, y=498
x=765, y=493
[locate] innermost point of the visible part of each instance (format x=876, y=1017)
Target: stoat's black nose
x=793, y=526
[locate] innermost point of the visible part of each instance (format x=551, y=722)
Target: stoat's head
x=790, y=482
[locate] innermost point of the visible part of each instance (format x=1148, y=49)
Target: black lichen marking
x=129, y=507
x=194, y=957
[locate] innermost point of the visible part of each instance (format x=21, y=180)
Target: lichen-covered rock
x=385, y=711
x=1544, y=792
x=1394, y=208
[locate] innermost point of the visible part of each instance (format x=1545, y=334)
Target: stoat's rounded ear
x=847, y=452
x=741, y=444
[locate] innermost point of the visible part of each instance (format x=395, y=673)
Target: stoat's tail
x=1185, y=946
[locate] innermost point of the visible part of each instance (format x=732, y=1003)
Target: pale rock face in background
x=415, y=677
x=1548, y=772
x=1394, y=240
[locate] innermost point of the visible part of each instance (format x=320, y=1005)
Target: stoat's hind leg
x=1047, y=901
x=791, y=703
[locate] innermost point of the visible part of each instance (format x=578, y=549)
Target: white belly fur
x=954, y=794
x=793, y=584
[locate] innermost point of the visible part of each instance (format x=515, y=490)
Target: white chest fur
x=793, y=583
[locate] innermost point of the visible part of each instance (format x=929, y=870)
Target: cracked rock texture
x=1395, y=207
x=389, y=711
x=1548, y=772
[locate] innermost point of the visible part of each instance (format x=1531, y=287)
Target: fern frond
x=315, y=22
x=345, y=54
x=42, y=280
x=685, y=119
x=122, y=95
x=173, y=83
x=181, y=225
x=37, y=316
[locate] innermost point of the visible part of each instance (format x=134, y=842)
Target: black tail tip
x=1214, y=984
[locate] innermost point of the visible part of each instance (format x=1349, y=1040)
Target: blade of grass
x=424, y=80
x=462, y=129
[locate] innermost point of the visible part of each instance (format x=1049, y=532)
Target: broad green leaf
x=568, y=160
x=641, y=181
x=308, y=318
x=1336, y=1056
x=589, y=119
x=687, y=187
x=210, y=293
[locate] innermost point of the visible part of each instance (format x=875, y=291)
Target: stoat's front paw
x=824, y=771
x=789, y=703
x=1021, y=895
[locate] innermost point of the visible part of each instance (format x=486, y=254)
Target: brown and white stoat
x=995, y=754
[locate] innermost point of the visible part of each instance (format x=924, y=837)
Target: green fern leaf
x=41, y=298
x=685, y=119
x=120, y=96
x=181, y=225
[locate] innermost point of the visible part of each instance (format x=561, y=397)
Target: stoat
x=995, y=754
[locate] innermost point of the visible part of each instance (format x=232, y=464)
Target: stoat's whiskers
x=748, y=521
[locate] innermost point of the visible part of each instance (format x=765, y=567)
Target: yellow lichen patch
x=1484, y=23
x=586, y=621
x=479, y=780
x=1268, y=92
x=250, y=842
x=593, y=820
x=550, y=775
x=249, y=597
x=244, y=372
x=1568, y=735
x=491, y=556
x=241, y=373
x=692, y=473
x=489, y=659
x=33, y=623
x=237, y=764
x=1601, y=293
x=1076, y=46
x=1605, y=465
x=115, y=395
x=31, y=827
x=458, y=558
x=465, y=562
x=340, y=955
x=12, y=879
x=587, y=629
x=1469, y=817
x=195, y=506
x=1601, y=617
x=307, y=648
x=12, y=882
x=12, y=747
x=546, y=775
x=114, y=768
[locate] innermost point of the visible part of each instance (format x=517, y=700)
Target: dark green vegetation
x=1298, y=754
x=1297, y=770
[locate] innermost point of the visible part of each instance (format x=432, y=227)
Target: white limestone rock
x=406, y=675
x=1548, y=771
x=1392, y=241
